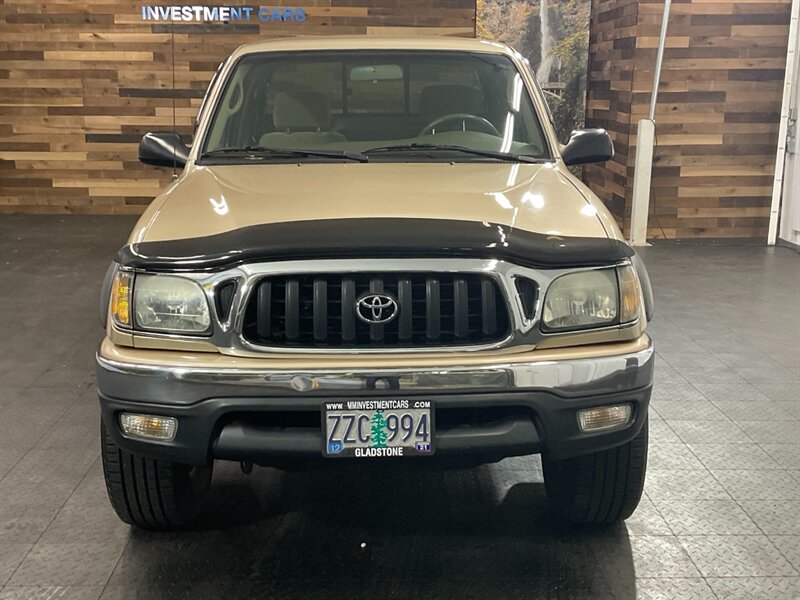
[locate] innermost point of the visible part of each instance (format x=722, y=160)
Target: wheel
x=482, y=123
x=149, y=493
x=603, y=487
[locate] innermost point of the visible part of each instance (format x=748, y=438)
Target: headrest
x=438, y=100
x=297, y=111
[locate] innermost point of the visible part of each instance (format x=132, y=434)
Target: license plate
x=377, y=428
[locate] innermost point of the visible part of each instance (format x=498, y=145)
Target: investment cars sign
x=223, y=14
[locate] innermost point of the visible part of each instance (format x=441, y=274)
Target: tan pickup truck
x=374, y=251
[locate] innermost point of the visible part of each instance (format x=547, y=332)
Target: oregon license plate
x=377, y=428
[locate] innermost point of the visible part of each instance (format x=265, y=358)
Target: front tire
x=150, y=493
x=600, y=488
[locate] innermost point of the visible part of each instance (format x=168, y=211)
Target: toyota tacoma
x=374, y=250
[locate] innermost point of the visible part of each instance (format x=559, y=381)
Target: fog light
x=148, y=427
x=604, y=417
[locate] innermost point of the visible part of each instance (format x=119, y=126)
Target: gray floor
x=720, y=518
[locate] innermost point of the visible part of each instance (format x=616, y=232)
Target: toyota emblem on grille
x=375, y=309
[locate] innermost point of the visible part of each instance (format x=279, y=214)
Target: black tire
x=600, y=488
x=149, y=493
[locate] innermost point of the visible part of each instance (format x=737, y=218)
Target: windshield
x=407, y=106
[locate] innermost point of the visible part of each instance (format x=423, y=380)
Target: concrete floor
x=720, y=517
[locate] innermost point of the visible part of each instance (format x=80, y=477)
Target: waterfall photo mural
x=554, y=36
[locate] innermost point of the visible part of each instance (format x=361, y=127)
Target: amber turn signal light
x=630, y=294
x=121, y=292
x=149, y=427
x=604, y=417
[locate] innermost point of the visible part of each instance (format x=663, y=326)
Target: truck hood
x=216, y=217
x=211, y=200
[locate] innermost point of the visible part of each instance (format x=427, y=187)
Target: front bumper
x=485, y=411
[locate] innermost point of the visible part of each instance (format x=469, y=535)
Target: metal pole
x=662, y=42
x=645, y=138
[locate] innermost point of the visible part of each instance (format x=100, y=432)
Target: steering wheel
x=483, y=124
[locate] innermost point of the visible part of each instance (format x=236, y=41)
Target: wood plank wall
x=717, y=116
x=82, y=80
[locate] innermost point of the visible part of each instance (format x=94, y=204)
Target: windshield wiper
x=453, y=148
x=259, y=151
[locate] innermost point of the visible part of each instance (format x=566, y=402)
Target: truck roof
x=363, y=42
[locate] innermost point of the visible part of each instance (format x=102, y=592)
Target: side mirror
x=588, y=146
x=163, y=150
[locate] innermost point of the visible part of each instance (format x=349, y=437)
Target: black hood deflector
x=372, y=238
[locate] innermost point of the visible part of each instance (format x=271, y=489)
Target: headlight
x=170, y=304
x=590, y=299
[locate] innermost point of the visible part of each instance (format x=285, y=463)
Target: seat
x=445, y=99
x=302, y=120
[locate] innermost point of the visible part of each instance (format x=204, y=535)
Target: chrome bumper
x=230, y=413
x=572, y=377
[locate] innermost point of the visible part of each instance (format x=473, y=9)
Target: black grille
x=432, y=310
x=223, y=299
x=528, y=292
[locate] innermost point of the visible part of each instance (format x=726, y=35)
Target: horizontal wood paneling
x=82, y=80
x=717, y=115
